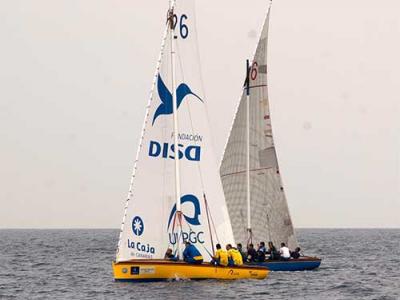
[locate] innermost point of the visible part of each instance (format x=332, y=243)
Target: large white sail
x=150, y=224
x=270, y=219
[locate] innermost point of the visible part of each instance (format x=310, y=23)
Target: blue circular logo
x=137, y=226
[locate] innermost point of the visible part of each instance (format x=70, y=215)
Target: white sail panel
x=270, y=218
x=150, y=224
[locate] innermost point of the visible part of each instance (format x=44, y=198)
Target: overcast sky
x=75, y=78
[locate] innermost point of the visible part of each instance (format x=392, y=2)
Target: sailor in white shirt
x=284, y=252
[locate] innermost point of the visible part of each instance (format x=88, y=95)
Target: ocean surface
x=76, y=264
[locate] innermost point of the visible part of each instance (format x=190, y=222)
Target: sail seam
x=251, y=170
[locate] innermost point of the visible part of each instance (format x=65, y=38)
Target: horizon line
x=114, y=228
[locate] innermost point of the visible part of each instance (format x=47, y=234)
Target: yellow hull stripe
x=160, y=270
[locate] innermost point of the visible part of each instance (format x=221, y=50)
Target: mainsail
x=269, y=213
x=150, y=223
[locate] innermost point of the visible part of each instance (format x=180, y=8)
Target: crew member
x=251, y=253
x=191, y=255
x=221, y=256
x=169, y=255
x=240, y=249
x=296, y=253
x=273, y=253
x=234, y=256
x=284, y=252
x=261, y=252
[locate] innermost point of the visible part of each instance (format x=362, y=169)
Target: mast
x=248, y=152
x=175, y=117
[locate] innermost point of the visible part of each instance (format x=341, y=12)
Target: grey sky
x=75, y=79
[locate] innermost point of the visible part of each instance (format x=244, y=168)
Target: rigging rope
x=187, y=105
x=209, y=224
x=181, y=235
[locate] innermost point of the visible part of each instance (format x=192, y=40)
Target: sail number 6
x=183, y=28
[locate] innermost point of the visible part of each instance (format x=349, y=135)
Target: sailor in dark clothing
x=273, y=253
x=240, y=249
x=191, y=255
x=262, y=247
x=251, y=253
x=261, y=252
x=296, y=253
x=169, y=255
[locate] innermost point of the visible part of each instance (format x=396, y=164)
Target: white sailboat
x=249, y=170
x=175, y=194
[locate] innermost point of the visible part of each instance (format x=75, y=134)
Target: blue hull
x=292, y=265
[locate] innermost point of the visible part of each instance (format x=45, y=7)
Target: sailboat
x=176, y=195
x=250, y=172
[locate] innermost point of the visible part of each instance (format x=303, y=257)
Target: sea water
x=76, y=264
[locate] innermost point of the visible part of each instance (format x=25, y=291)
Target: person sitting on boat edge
x=169, y=255
x=273, y=253
x=261, y=252
x=284, y=252
x=296, y=253
x=221, y=256
x=251, y=253
x=191, y=255
x=240, y=249
x=234, y=256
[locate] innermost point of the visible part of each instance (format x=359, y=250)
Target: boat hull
x=301, y=264
x=156, y=270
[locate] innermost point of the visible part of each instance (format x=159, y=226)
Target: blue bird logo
x=166, y=106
